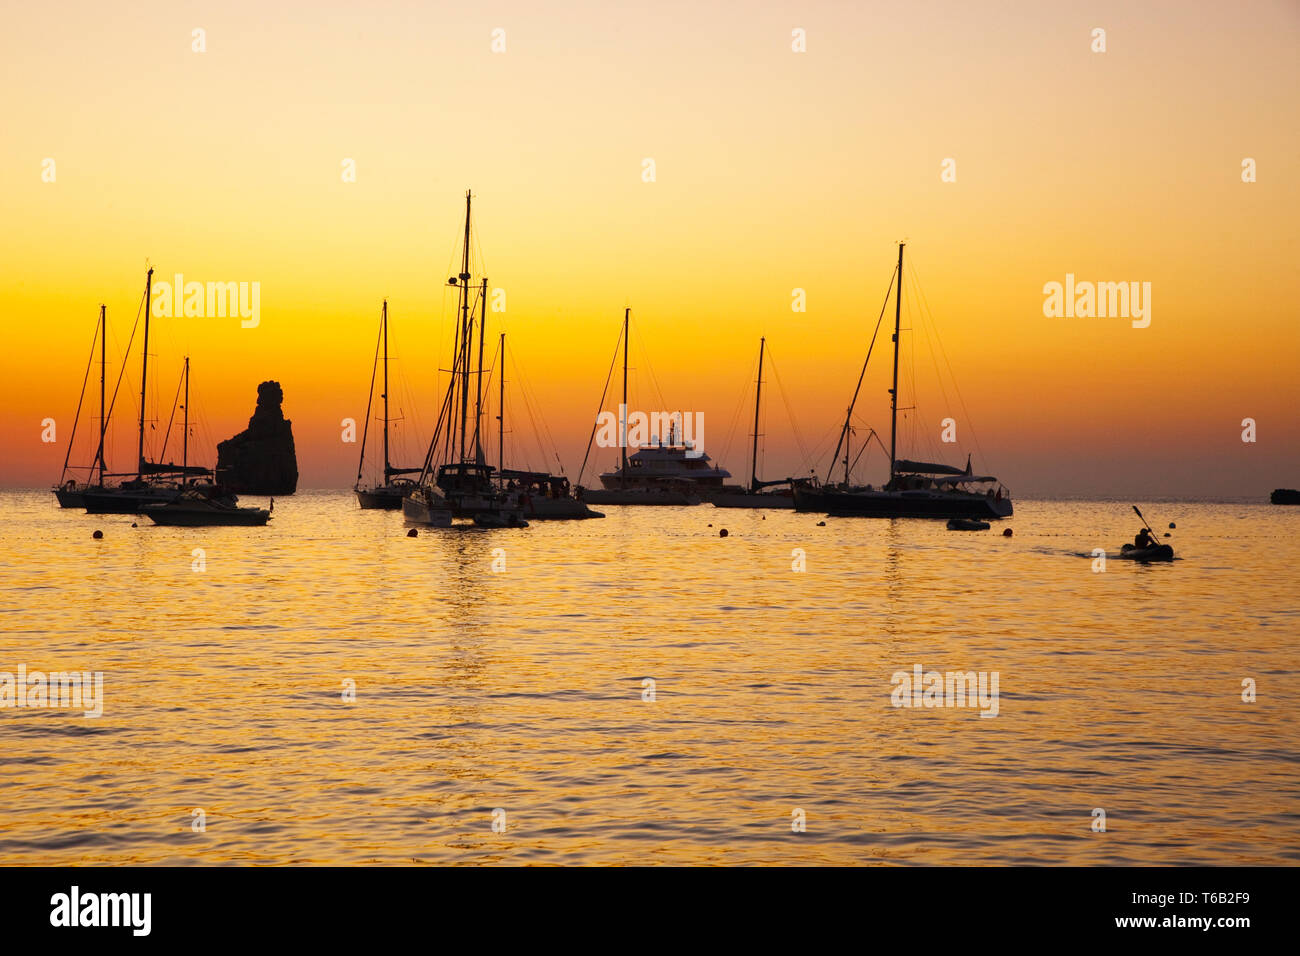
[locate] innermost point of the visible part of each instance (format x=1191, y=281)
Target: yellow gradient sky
x=775, y=170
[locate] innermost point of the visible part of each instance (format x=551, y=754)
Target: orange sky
x=775, y=170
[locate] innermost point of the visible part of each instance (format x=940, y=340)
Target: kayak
x=967, y=524
x=1155, y=552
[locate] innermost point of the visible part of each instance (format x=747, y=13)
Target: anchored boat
x=661, y=473
x=69, y=492
x=388, y=493
x=461, y=485
x=153, y=482
x=915, y=489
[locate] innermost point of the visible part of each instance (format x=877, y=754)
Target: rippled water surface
x=523, y=690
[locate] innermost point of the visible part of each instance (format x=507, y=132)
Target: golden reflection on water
x=523, y=690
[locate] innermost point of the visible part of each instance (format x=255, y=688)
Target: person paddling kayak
x=1143, y=540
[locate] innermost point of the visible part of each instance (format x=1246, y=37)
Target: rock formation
x=260, y=460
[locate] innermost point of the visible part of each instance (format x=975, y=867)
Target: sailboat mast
x=384, y=320
x=185, y=438
x=758, y=398
x=622, y=438
x=103, y=365
x=501, y=411
x=893, y=392
x=465, y=330
x=848, y=440
x=478, y=380
x=144, y=372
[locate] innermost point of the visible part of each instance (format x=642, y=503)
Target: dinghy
x=1153, y=551
x=967, y=524
x=1157, y=552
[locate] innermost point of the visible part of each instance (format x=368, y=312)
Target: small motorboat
x=967, y=524
x=195, y=510
x=1155, y=552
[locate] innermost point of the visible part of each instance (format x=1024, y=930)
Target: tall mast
x=848, y=440
x=144, y=372
x=185, y=438
x=384, y=321
x=501, y=411
x=465, y=329
x=758, y=397
x=893, y=392
x=622, y=438
x=103, y=361
x=478, y=380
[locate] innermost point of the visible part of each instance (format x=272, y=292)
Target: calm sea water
x=522, y=690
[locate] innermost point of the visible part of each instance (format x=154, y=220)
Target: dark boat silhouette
x=388, y=493
x=915, y=489
x=661, y=473
x=152, y=482
x=462, y=483
x=192, y=509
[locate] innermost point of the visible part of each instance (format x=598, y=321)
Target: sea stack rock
x=260, y=460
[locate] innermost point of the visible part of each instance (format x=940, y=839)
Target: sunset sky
x=774, y=170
